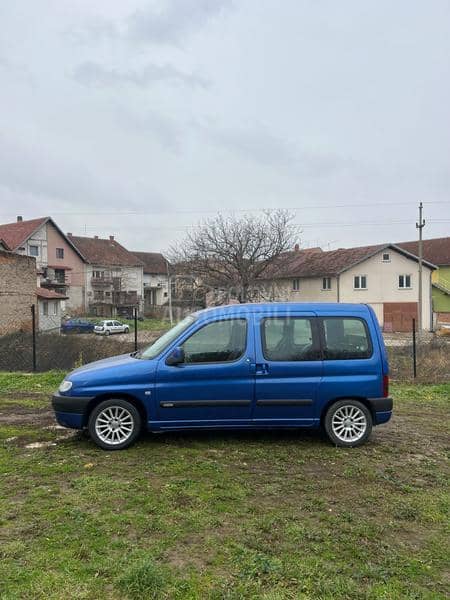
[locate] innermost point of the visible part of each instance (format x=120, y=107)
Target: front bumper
x=381, y=409
x=71, y=411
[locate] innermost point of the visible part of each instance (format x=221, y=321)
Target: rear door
x=352, y=366
x=288, y=368
x=215, y=384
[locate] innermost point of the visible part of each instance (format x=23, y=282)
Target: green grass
x=270, y=515
x=45, y=383
x=148, y=324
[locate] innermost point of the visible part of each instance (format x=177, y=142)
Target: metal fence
x=411, y=357
x=27, y=349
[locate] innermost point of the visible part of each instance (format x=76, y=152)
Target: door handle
x=262, y=368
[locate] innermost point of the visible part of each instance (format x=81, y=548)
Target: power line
x=169, y=212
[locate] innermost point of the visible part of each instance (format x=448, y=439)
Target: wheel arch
x=361, y=399
x=138, y=404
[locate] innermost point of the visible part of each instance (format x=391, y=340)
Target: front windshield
x=166, y=339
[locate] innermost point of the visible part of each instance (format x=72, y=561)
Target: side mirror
x=176, y=357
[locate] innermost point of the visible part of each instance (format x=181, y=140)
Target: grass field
x=223, y=515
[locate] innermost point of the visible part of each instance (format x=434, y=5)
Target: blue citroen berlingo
x=246, y=366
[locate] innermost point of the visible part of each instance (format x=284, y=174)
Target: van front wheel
x=114, y=424
x=348, y=423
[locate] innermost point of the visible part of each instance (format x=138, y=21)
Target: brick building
x=17, y=291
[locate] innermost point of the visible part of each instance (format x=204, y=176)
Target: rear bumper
x=381, y=409
x=71, y=411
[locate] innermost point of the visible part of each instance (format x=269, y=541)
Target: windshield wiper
x=136, y=354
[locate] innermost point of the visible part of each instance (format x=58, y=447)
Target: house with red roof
x=113, y=276
x=437, y=251
x=384, y=276
x=59, y=264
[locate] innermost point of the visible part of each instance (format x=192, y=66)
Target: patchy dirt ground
x=220, y=515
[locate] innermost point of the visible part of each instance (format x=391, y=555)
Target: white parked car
x=108, y=327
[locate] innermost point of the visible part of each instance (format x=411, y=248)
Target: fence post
x=33, y=331
x=135, y=330
x=414, y=348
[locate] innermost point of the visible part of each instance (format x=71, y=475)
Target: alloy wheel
x=114, y=425
x=349, y=423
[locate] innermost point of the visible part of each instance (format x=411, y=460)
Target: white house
x=113, y=277
x=384, y=276
x=156, y=278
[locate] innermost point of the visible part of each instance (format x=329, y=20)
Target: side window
x=346, y=338
x=221, y=341
x=289, y=339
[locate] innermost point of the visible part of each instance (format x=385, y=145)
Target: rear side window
x=289, y=339
x=346, y=338
x=221, y=341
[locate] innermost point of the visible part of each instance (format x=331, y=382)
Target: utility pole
x=169, y=293
x=420, y=225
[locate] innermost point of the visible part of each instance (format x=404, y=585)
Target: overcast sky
x=140, y=118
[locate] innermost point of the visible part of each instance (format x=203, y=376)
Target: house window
x=98, y=274
x=404, y=282
x=296, y=285
x=34, y=250
x=360, y=282
x=60, y=275
x=59, y=252
x=45, y=308
x=386, y=257
x=55, y=307
x=326, y=283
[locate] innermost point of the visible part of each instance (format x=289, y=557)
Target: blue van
x=246, y=366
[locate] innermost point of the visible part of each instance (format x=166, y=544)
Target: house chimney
x=111, y=237
x=19, y=218
x=95, y=237
x=296, y=247
x=69, y=234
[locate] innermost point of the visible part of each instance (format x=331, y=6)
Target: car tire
x=107, y=332
x=126, y=330
x=114, y=424
x=348, y=423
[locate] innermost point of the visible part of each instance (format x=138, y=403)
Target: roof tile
x=14, y=234
x=49, y=294
x=436, y=251
x=105, y=252
x=154, y=262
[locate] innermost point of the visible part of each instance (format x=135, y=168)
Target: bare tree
x=236, y=253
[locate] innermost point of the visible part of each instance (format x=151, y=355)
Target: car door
x=215, y=385
x=288, y=368
x=117, y=327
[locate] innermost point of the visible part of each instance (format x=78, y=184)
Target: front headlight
x=65, y=386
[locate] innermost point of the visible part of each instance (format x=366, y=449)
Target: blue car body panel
x=249, y=392
x=77, y=325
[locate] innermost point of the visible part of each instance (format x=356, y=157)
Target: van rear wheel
x=348, y=423
x=114, y=424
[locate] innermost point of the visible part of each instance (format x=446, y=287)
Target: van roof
x=256, y=307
